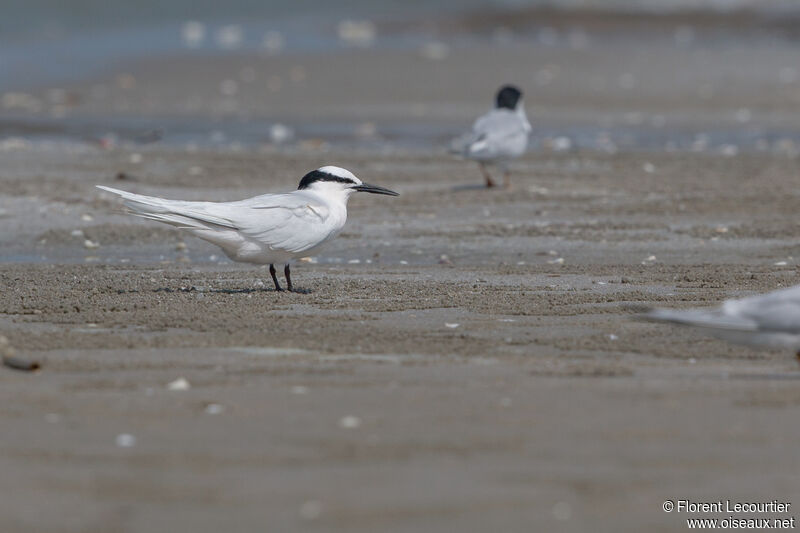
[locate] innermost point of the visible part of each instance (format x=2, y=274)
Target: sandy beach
x=459, y=359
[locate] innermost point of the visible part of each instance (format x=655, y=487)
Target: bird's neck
x=336, y=202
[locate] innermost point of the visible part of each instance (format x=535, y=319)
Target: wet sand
x=545, y=407
x=458, y=360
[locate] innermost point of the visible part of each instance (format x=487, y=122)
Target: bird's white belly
x=252, y=250
x=500, y=150
x=258, y=254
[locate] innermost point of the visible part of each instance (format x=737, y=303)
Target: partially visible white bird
x=498, y=136
x=266, y=229
x=769, y=320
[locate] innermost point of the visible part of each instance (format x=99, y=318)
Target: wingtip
x=110, y=189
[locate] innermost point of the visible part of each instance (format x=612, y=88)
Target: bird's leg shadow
x=291, y=287
x=506, y=179
x=298, y=290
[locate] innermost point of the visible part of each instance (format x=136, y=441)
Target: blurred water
x=46, y=41
x=49, y=42
x=55, y=19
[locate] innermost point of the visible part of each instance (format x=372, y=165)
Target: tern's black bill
x=374, y=189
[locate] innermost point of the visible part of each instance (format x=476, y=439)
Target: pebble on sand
x=357, y=32
x=349, y=422
x=435, y=51
x=180, y=384
x=561, y=144
x=193, y=33
x=125, y=440
x=214, y=409
x=280, y=133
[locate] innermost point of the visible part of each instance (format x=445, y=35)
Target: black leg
x=486, y=175
x=274, y=278
x=288, y=277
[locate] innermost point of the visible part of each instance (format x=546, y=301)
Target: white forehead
x=339, y=172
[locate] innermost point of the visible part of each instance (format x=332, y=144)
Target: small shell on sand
x=125, y=440
x=349, y=422
x=180, y=384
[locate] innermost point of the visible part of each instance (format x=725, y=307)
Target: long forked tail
x=185, y=215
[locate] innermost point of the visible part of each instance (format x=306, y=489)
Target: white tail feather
x=185, y=215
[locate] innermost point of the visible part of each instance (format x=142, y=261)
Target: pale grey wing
x=774, y=312
x=498, y=133
x=777, y=311
x=714, y=318
x=291, y=223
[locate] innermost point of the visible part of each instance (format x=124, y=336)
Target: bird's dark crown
x=318, y=175
x=507, y=97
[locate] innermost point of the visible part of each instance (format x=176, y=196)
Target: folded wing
x=289, y=223
x=497, y=134
x=774, y=312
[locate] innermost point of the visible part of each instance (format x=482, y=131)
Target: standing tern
x=771, y=319
x=266, y=229
x=498, y=136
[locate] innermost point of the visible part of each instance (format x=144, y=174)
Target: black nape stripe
x=507, y=97
x=316, y=175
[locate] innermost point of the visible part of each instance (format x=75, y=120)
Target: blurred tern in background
x=767, y=320
x=498, y=136
x=266, y=229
